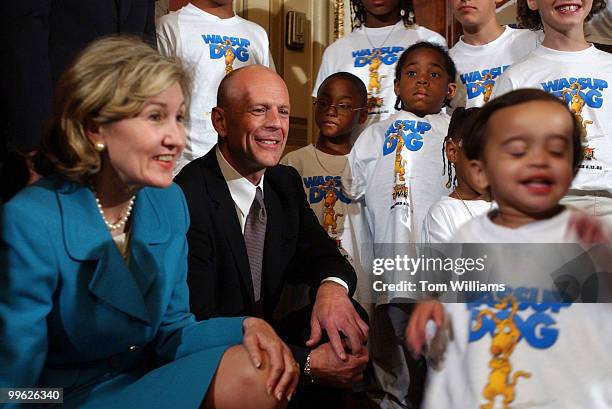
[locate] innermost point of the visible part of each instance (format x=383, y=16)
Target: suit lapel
x=87, y=238
x=225, y=215
x=150, y=230
x=274, y=229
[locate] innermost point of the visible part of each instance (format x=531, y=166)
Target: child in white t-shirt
x=570, y=68
x=519, y=346
x=466, y=201
x=485, y=50
x=340, y=107
x=212, y=41
x=383, y=31
x=393, y=169
x=393, y=166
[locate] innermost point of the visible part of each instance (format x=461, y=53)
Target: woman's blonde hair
x=109, y=81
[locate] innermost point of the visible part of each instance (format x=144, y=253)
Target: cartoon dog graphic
x=399, y=161
x=505, y=338
x=487, y=85
x=576, y=105
x=375, y=63
x=230, y=56
x=330, y=217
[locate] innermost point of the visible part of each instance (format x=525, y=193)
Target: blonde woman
x=93, y=258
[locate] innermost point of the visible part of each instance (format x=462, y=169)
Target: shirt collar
x=241, y=190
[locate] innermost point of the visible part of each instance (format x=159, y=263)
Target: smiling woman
x=93, y=258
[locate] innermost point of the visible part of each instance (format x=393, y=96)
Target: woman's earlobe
x=93, y=131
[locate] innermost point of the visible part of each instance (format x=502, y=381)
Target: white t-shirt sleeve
x=325, y=70
x=436, y=227
x=167, y=35
x=267, y=59
x=503, y=85
x=271, y=64
x=355, y=177
x=436, y=38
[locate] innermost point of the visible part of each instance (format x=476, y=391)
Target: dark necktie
x=254, y=238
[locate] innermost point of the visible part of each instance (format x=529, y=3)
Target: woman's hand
x=260, y=337
x=415, y=330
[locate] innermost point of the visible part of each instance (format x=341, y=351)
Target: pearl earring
x=402, y=13
x=99, y=146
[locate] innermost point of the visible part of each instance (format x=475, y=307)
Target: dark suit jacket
x=296, y=248
x=39, y=39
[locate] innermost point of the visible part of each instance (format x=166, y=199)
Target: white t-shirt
x=397, y=186
x=210, y=47
x=589, y=72
x=446, y=216
x=560, y=355
x=339, y=216
x=371, y=54
x=599, y=28
x=478, y=66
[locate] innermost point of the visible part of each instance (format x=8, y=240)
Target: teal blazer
x=74, y=315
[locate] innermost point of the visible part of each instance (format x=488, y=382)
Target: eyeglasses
x=341, y=109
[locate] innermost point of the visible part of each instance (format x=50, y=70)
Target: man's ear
x=219, y=121
x=452, y=150
x=476, y=169
x=532, y=4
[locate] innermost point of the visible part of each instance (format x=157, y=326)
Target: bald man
x=252, y=231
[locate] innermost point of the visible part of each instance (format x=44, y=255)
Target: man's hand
x=327, y=369
x=284, y=371
x=334, y=313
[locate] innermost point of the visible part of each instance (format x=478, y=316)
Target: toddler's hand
x=415, y=331
x=589, y=229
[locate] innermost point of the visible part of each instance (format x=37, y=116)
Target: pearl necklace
x=122, y=221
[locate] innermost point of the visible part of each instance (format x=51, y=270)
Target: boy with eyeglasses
x=340, y=109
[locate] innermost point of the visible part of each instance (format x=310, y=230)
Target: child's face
x=561, y=15
x=216, y=3
x=527, y=159
x=381, y=7
x=474, y=13
x=332, y=121
x=424, y=84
